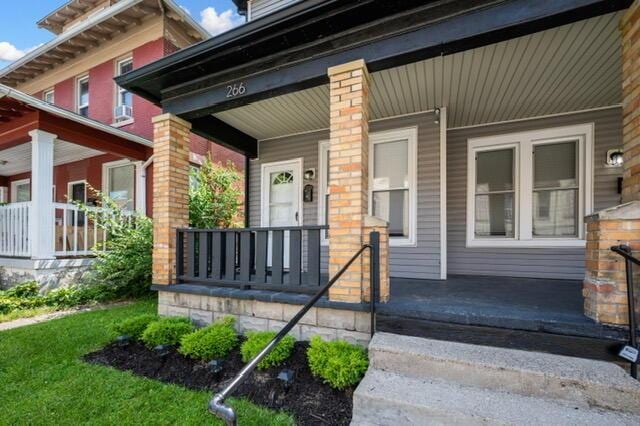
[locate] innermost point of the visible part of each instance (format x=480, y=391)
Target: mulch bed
x=309, y=400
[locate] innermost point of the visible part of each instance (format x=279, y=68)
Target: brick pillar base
x=605, y=286
x=170, y=192
x=348, y=175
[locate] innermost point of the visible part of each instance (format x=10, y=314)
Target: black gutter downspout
x=246, y=191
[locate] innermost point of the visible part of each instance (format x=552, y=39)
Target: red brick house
x=73, y=76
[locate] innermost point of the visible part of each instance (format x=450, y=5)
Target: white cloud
x=8, y=52
x=217, y=23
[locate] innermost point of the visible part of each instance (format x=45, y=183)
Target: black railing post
x=179, y=254
x=625, y=252
x=374, y=284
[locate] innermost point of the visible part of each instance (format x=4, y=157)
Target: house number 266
x=235, y=90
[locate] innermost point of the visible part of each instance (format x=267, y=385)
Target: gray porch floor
x=553, y=306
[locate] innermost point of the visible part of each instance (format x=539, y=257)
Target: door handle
x=297, y=218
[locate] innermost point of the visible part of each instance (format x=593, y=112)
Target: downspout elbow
x=224, y=412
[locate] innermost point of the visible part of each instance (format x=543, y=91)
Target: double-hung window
x=118, y=179
x=124, y=98
x=392, y=182
x=82, y=93
x=530, y=189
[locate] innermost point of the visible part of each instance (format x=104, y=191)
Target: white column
x=41, y=216
x=141, y=188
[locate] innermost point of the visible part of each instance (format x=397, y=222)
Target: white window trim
x=411, y=135
x=119, y=163
x=14, y=188
x=79, y=80
x=52, y=92
x=323, y=186
x=523, y=180
x=70, y=186
x=118, y=88
x=264, y=189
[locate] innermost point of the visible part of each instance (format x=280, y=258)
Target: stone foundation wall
x=50, y=274
x=254, y=315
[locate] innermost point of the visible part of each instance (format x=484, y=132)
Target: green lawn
x=44, y=382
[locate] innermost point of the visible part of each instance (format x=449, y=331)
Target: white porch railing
x=75, y=232
x=14, y=230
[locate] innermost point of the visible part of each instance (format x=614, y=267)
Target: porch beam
x=212, y=128
x=458, y=32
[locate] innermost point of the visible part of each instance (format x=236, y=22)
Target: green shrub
x=212, y=342
x=123, y=261
x=215, y=196
x=256, y=341
x=338, y=363
x=26, y=289
x=166, y=331
x=135, y=326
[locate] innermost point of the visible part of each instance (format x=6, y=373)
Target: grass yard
x=26, y=313
x=43, y=380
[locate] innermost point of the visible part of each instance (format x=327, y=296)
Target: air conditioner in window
x=123, y=112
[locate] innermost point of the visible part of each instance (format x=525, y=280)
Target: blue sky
x=19, y=32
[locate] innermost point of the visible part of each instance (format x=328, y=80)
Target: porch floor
x=551, y=306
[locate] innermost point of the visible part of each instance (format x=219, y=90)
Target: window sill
x=540, y=243
x=123, y=123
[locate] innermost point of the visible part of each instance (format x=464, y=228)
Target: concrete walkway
x=21, y=322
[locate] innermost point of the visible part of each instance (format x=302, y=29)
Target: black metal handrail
x=217, y=404
x=625, y=252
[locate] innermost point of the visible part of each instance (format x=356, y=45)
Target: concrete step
x=384, y=398
x=582, y=381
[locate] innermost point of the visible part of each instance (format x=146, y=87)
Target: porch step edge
x=594, y=383
x=384, y=398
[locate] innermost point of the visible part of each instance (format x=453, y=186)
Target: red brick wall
x=64, y=93
x=101, y=92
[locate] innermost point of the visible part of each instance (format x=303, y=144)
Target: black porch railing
x=275, y=258
x=630, y=351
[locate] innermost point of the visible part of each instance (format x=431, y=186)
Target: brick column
x=630, y=27
x=170, y=192
x=348, y=175
x=605, y=286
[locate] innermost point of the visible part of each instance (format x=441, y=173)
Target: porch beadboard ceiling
x=18, y=158
x=568, y=68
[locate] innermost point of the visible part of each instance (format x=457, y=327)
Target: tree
x=215, y=196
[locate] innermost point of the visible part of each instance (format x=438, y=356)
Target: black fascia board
x=458, y=32
x=212, y=128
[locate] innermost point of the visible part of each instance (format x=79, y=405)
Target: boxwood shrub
x=212, y=342
x=135, y=326
x=257, y=340
x=338, y=363
x=166, y=331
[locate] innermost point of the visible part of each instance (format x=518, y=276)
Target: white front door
x=281, y=202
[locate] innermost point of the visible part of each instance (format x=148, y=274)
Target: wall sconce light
x=309, y=174
x=437, y=114
x=614, y=158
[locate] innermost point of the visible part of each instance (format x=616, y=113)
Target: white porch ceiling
x=569, y=68
x=18, y=158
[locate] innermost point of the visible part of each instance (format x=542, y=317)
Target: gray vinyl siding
x=560, y=263
x=260, y=8
x=421, y=261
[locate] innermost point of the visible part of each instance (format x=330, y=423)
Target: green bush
x=135, y=326
x=256, y=341
x=26, y=289
x=212, y=342
x=22, y=296
x=215, y=196
x=166, y=331
x=338, y=363
x=123, y=261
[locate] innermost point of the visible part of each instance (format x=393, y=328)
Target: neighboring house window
x=323, y=190
x=83, y=96
x=392, y=182
x=76, y=192
x=48, y=96
x=124, y=98
x=119, y=182
x=21, y=191
x=530, y=189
